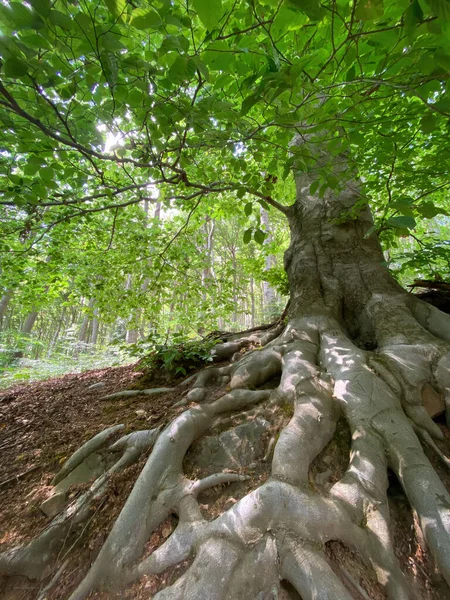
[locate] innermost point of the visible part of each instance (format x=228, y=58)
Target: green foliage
x=277, y=277
x=175, y=357
x=105, y=105
x=69, y=356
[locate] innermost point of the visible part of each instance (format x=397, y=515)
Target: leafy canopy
x=103, y=101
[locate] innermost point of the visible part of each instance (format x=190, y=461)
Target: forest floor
x=43, y=423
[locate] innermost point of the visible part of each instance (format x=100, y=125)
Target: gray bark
x=29, y=322
x=268, y=291
x=82, y=336
x=208, y=274
x=95, y=326
x=4, y=302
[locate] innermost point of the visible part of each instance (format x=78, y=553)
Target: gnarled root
x=279, y=529
x=31, y=560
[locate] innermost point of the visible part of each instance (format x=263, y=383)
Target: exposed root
x=431, y=318
x=53, y=581
x=131, y=393
x=86, y=449
x=278, y=531
x=309, y=572
x=32, y=559
x=370, y=404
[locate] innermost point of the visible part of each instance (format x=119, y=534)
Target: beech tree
x=350, y=100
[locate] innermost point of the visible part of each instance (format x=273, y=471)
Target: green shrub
x=177, y=357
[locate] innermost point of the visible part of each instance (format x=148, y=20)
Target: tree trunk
x=4, y=304
x=252, y=296
x=268, y=291
x=57, y=332
x=208, y=274
x=349, y=371
x=95, y=325
x=28, y=325
x=85, y=323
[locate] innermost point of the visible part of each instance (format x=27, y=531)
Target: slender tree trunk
x=29, y=322
x=4, y=302
x=95, y=325
x=85, y=323
x=252, y=296
x=235, y=285
x=208, y=274
x=57, y=332
x=268, y=291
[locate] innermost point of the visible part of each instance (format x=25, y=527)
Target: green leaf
x=259, y=236
x=248, y=103
x=14, y=67
x=370, y=231
x=145, y=19
x=46, y=173
x=178, y=70
x=17, y=16
x=288, y=20
x=41, y=6
x=311, y=8
x=403, y=222
x=40, y=191
x=441, y=8
x=247, y=236
x=314, y=187
x=117, y=7
x=248, y=209
x=402, y=203
x=351, y=74
x=35, y=41
x=413, y=16
x=428, y=124
x=58, y=18
x=135, y=98
x=17, y=179
x=368, y=10
x=356, y=138
x=428, y=210
x=200, y=65
x=109, y=65
x=209, y=12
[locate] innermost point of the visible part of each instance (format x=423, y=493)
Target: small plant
x=177, y=357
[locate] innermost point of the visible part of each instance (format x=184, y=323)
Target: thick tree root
x=278, y=531
x=132, y=393
x=32, y=559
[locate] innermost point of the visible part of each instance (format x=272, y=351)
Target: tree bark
x=268, y=291
x=95, y=326
x=58, y=331
x=85, y=323
x=4, y=302
x=28, y=325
